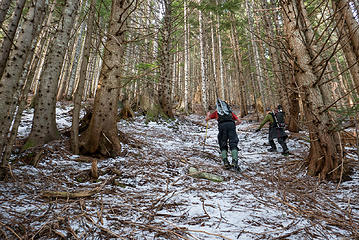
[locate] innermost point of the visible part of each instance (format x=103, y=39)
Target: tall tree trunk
x=220, y=61
x=259, y=75
x=343, y=86
x=293, y=100
x=239, y=69
x=214, y=62
x=102, y=134
x=325, y=154
x=27, y=79
x=44, y=127
x=278, y=95
x=10, y=85
x=164, y=91
x=202, y=60
x=9, y=38
x=80, y=88
x=186, y=58
x=4, y=7
x=349, y=37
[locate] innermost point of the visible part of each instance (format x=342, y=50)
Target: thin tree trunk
x=220, y=62
x=4, y=7
x=239, y=69
x=9, y=37
x=80, y=88
x=214, y=63
x=186, y=58
x=347, y=38
x=72, y=82
x=343, y=87
x=259, y=75
x=202, y=60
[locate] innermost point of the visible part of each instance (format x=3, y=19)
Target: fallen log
x=80, y=194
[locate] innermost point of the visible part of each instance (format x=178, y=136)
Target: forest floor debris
x=149, y=194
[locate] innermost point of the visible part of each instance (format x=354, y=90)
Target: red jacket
x=214, y=115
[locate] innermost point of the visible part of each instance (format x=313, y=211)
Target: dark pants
x=281, y=141
x=227, y=133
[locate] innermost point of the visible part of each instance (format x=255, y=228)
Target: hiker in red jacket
x=227, y=134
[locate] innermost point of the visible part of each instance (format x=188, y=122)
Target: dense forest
x=164, y=57
x=114, y=60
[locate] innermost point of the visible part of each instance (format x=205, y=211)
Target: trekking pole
x=205, y=136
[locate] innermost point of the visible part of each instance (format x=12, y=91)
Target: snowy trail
x=155, y=198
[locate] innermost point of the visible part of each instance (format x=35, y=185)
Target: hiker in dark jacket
x=227, y=134
x=275, y=131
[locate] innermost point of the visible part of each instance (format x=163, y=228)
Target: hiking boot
x=225, y=159
x=272, y=150
x=234, y=154
x=285, y=152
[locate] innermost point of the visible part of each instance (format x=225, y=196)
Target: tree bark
x=349, y=37
x=44, y=127
x=9, y=38
x=259, y=75
x=10, y=84
x=239, y=69
x=186, y=58
x=164, y=92
x=102, y=133
x=220, y=61
x=214, y=61
x=81, y=84
x=4, y=7
x=325, y=154
x=202, y=60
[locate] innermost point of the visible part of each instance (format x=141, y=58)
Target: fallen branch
x=59, y=194
x=11, y=230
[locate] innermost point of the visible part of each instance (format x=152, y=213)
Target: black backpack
x=224, y=111
x=279, y=119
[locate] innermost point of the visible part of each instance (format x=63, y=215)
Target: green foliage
x=104, y=10
x=145, y=66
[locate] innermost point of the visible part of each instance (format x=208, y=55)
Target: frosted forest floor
x=148, y=193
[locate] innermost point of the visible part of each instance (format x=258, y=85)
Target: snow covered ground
x=148, y=193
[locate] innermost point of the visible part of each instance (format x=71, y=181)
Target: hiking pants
x=281, y=141
x=227, y=133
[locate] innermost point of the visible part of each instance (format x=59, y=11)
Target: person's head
x=268, y=109
x=279, y=108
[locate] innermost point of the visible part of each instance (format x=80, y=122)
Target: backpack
x=224, y=111
x=279, y=119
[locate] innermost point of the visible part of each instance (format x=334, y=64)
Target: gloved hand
x=257, y=130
